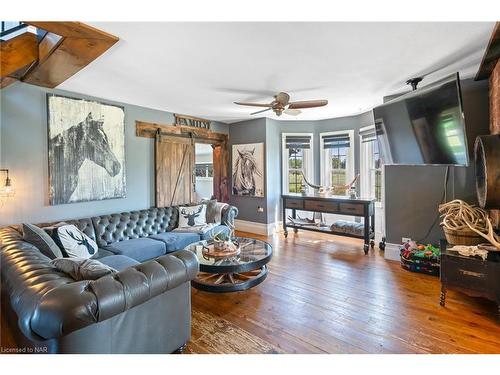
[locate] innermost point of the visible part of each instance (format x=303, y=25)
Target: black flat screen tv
x=424, y=127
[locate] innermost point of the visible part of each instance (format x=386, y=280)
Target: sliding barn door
x=221, y=167
x=174, y=163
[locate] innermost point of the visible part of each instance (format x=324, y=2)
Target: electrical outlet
x=405, y=239
x=260, y=209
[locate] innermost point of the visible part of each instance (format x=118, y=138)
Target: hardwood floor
x=323, y=295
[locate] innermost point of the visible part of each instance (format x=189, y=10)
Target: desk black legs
x=285, y=232
x=369, y=228
x=294, y=215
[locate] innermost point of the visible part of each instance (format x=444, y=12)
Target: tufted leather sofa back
x=134, y=224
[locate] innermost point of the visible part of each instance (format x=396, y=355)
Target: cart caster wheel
x=286, y=234
x=295, y=231
x=381, y=244
x=365, y=248
x=372, y=244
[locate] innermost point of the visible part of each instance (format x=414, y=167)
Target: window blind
x=336, y=141
x=368, y=135
x=298, y=141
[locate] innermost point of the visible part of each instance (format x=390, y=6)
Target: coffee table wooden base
x=229, y=282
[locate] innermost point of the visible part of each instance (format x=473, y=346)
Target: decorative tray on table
x=221, y=250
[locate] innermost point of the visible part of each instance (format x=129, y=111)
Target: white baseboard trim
x=256, y=228
x=391, y=252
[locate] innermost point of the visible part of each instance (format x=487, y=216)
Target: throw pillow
x=211, y=210
x=39, y=238
x=74, y=242
x=190, y=216
x=214, y=210
x=83, y=269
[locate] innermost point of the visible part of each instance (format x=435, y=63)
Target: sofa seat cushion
x=176, y=240
x=210, y=234
x=101, y=253
x=140, y=249
x=118, y=262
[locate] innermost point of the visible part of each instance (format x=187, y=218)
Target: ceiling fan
x=281, y=104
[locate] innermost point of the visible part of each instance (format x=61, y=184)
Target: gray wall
x=270, y=131
x=413, y=193
x=251, y=131
x=23, y=149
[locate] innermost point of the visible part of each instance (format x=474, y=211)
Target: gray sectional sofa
x=144, y=308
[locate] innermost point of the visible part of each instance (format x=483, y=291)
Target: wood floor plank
x=323, y=295
x=327, y=295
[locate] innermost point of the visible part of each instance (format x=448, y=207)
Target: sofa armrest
x=229, y=213
x=73, y=306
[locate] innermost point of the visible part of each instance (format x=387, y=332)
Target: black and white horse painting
x=248, y=170
x=86, y=150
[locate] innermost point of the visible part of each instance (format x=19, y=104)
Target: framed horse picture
x=248, y=169
x=86, y=142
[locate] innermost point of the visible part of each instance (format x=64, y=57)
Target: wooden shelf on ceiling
x=65, y=49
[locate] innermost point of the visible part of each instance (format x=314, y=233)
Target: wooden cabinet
x=470, y=275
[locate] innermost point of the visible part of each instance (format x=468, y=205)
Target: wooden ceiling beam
x=73, y=30
x=65, y=50
x=18, y=53
x=491, y=55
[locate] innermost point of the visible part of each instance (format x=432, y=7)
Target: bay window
x=337, y=159
x=297, y=158
x=370, y=164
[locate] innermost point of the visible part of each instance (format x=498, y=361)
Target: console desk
x=338, y=205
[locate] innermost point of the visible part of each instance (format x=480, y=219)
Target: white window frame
x=325, y=166
x=364, y=170
x=308, y=164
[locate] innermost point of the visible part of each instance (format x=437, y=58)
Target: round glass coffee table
x=232, y=273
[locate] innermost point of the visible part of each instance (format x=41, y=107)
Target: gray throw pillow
x=39, y=238
x=82, y=268
x=211, y=210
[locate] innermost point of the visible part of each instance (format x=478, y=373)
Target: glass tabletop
x=253, y=253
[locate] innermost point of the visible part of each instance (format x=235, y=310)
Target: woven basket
x=462, y=237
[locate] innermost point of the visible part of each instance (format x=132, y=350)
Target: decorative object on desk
x=460, y=220
x=352, y=192
x=86, y=150
x=248, y=170
x=420, y=258
x=324, y=190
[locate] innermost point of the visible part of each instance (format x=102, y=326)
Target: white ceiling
x=202, y=68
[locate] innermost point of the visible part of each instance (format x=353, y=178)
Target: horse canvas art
x=248, y=170
x=86, y=150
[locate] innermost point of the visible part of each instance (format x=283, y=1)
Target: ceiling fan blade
x=292, y=112
x=253, y=104
x=267, y=109
x=308, y=104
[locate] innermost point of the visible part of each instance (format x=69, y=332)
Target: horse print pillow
x=192, y=216
x=74, y=242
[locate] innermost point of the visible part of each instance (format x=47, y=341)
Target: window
x=297, y=159
x=337, y=159
x=371, y=164
x=204, y=170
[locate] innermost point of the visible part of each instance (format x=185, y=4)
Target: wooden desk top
x=342, y=198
